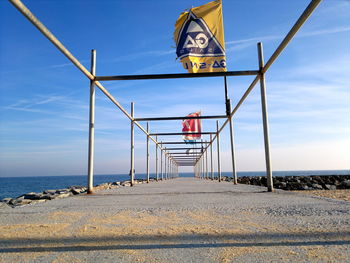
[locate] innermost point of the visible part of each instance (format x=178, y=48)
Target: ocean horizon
x=18, y=185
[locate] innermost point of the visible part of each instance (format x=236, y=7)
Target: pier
x=178, y=220
x=172, y=219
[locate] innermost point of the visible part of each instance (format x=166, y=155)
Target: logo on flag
x=190, y=126
x=200, y=40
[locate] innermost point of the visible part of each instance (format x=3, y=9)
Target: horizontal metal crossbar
x=184, y=142
x=180, y=118
x=167, y=149
x=184, y=158
x=181, y=133
x=197, y=153
x=179, y=75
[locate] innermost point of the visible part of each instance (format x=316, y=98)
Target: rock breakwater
x=34, y=198
x=312, y=182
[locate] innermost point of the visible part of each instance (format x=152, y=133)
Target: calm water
x=16, y=186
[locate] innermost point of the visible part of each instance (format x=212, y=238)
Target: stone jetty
x=35, y=198
x=313, y=182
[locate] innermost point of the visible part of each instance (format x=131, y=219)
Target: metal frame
x=198, y=167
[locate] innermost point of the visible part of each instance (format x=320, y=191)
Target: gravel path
x=180, y=220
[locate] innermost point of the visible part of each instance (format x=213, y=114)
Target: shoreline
x=35, y=198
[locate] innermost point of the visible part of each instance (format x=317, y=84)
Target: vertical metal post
x=169, y=167
x=91, y=126
x=234, y=173
x=172, y=169
x=132, y=162
x=165, y=165
x=198, y=168
x=211, y=157
x=227, y=100
x=265, y=118
x=218, y=149
x=147, y=164
x=206, y=164
x=157, y=159
x=161, y=163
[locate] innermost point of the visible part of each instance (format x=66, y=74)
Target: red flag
x=192, y=125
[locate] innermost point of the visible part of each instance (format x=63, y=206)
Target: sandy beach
x=180, y=220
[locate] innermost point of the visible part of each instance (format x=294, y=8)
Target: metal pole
x=169, y=168
x=132, y=163
x=265, y=119
x=206, y=164
x=165, y=166
x=218, y=149
x=91, y=126
x=234, y=173
x=147, y=165
x=211, y=158
x=157, y=160
x=161, y=163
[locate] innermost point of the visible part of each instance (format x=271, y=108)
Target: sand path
x=180, y=220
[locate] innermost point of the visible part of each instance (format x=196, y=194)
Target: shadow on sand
x=22, y=245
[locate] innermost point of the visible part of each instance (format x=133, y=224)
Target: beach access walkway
x=179, y=220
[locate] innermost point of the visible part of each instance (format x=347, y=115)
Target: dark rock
x=50, y=192
x=294, y=186
x=344, y=185
x=32, y=196
x=330, y=187
x=317, y=187
x=78, y=190
x=304, y=187
x=46, y=197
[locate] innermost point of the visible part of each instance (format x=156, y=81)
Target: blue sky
x=44, y=99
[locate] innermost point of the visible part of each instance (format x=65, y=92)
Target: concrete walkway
x=180, y=220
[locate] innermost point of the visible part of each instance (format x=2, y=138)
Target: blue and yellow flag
x=199, y=37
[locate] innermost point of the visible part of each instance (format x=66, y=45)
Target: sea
x=16, y=186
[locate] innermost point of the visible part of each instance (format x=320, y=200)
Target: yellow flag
x=199, y=37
